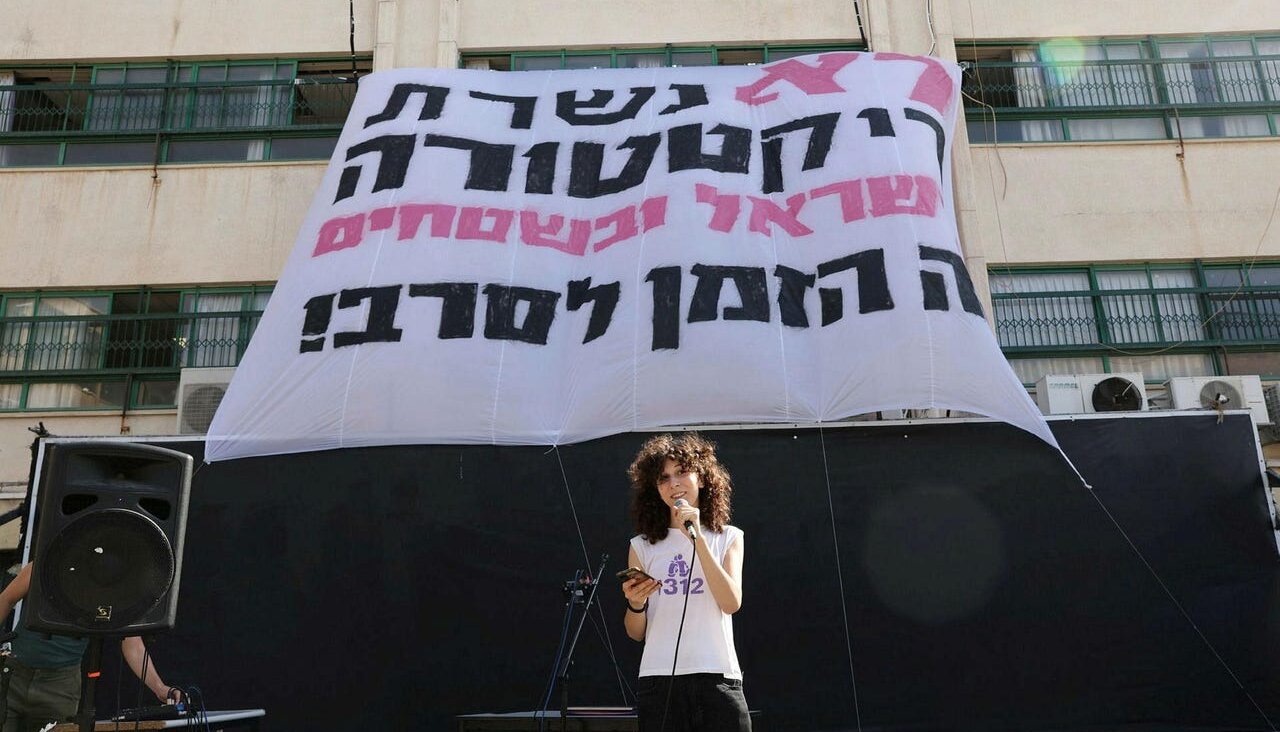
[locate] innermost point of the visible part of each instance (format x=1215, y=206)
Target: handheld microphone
x=688, y=525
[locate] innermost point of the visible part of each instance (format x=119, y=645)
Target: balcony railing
x=225, y=106
x=1195, y=317
x=77, y=123
x=1085, y=86
x=107, y=345
x=1065, y=100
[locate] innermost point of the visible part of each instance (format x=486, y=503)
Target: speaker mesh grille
x=107, y=569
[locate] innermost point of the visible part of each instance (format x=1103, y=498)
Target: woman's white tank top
x=706, y=643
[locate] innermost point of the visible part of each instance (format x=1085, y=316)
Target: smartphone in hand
x=633, y=573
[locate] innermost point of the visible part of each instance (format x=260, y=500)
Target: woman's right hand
x=637, y=591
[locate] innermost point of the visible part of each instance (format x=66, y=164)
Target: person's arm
x=725, y=580
x=636, y=593
x=134, y=652
x=16, y=590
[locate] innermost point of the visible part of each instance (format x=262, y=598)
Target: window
x=1163, y=320
x=119, y=107
x=221, y=324
x=1122, y=89
x=175, y=112
x=640, y=58
x=109, y=350
x=53, y=332
x=1247, y=302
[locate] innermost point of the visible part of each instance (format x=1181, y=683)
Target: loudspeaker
x=110, y=525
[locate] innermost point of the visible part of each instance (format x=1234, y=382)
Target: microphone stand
x=562, y=674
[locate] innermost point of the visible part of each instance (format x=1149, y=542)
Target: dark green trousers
x=37, y=696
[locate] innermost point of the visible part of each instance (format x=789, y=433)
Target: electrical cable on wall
x=857, y=13
x=351, y=36
x=928, y=17
x=1275, y=204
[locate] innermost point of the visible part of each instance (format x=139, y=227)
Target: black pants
x=699, y=702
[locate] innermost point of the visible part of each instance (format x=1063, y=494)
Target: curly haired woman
x=689, y=673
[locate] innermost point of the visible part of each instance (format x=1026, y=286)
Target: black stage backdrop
x=928, y=576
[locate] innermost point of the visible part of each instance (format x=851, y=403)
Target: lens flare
x=1064, y=56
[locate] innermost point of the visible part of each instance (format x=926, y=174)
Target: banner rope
x=623, y=687
x=844, y=610
x=1169, y=593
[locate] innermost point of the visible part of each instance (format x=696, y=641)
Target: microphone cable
x=675, y=654
x=197, y=712
x=119, y=683
x=142, y=680
x=142, y=685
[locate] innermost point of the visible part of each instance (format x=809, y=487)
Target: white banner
x=548, y=257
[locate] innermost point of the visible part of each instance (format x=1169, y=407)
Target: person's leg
x=10, y=723
x=17, y=683
x=723, y=705
x=663, y=705
x=649, y=693
x=4, y=693
x=53, y=695
x=4, y=689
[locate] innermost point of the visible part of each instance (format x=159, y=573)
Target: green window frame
x=181, y=111
x=663, y=56
x=1176, y=87
x=1186, y=315
x=191, y=95
x=118, y=349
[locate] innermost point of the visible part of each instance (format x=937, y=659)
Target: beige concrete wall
x=533, y=24
x=105, y=227
x=1046, y=203
x=890, y=29
x=48, y=30
x=15, y=440
x=415, y=33
x=9, y=531
x=992, y=19
x=131, y=29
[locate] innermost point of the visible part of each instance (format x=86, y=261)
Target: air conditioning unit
x=1091, y=393
x=881, y=416
x=200, y=392
x=925, y=413
x=1220, y=392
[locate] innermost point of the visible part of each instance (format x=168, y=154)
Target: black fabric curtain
x=933, y=576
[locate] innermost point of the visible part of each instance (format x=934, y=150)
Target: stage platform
x=235, y=718
x=597, y=719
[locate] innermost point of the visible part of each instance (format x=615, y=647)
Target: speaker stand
x=92, y=670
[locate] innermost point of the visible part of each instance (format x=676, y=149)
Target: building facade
x=1116, y=175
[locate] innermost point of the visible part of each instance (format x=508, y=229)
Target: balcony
x=1027, y=99
x=1165, y=320
x=125, y=116
x=110, y=361
x=1200, y=317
